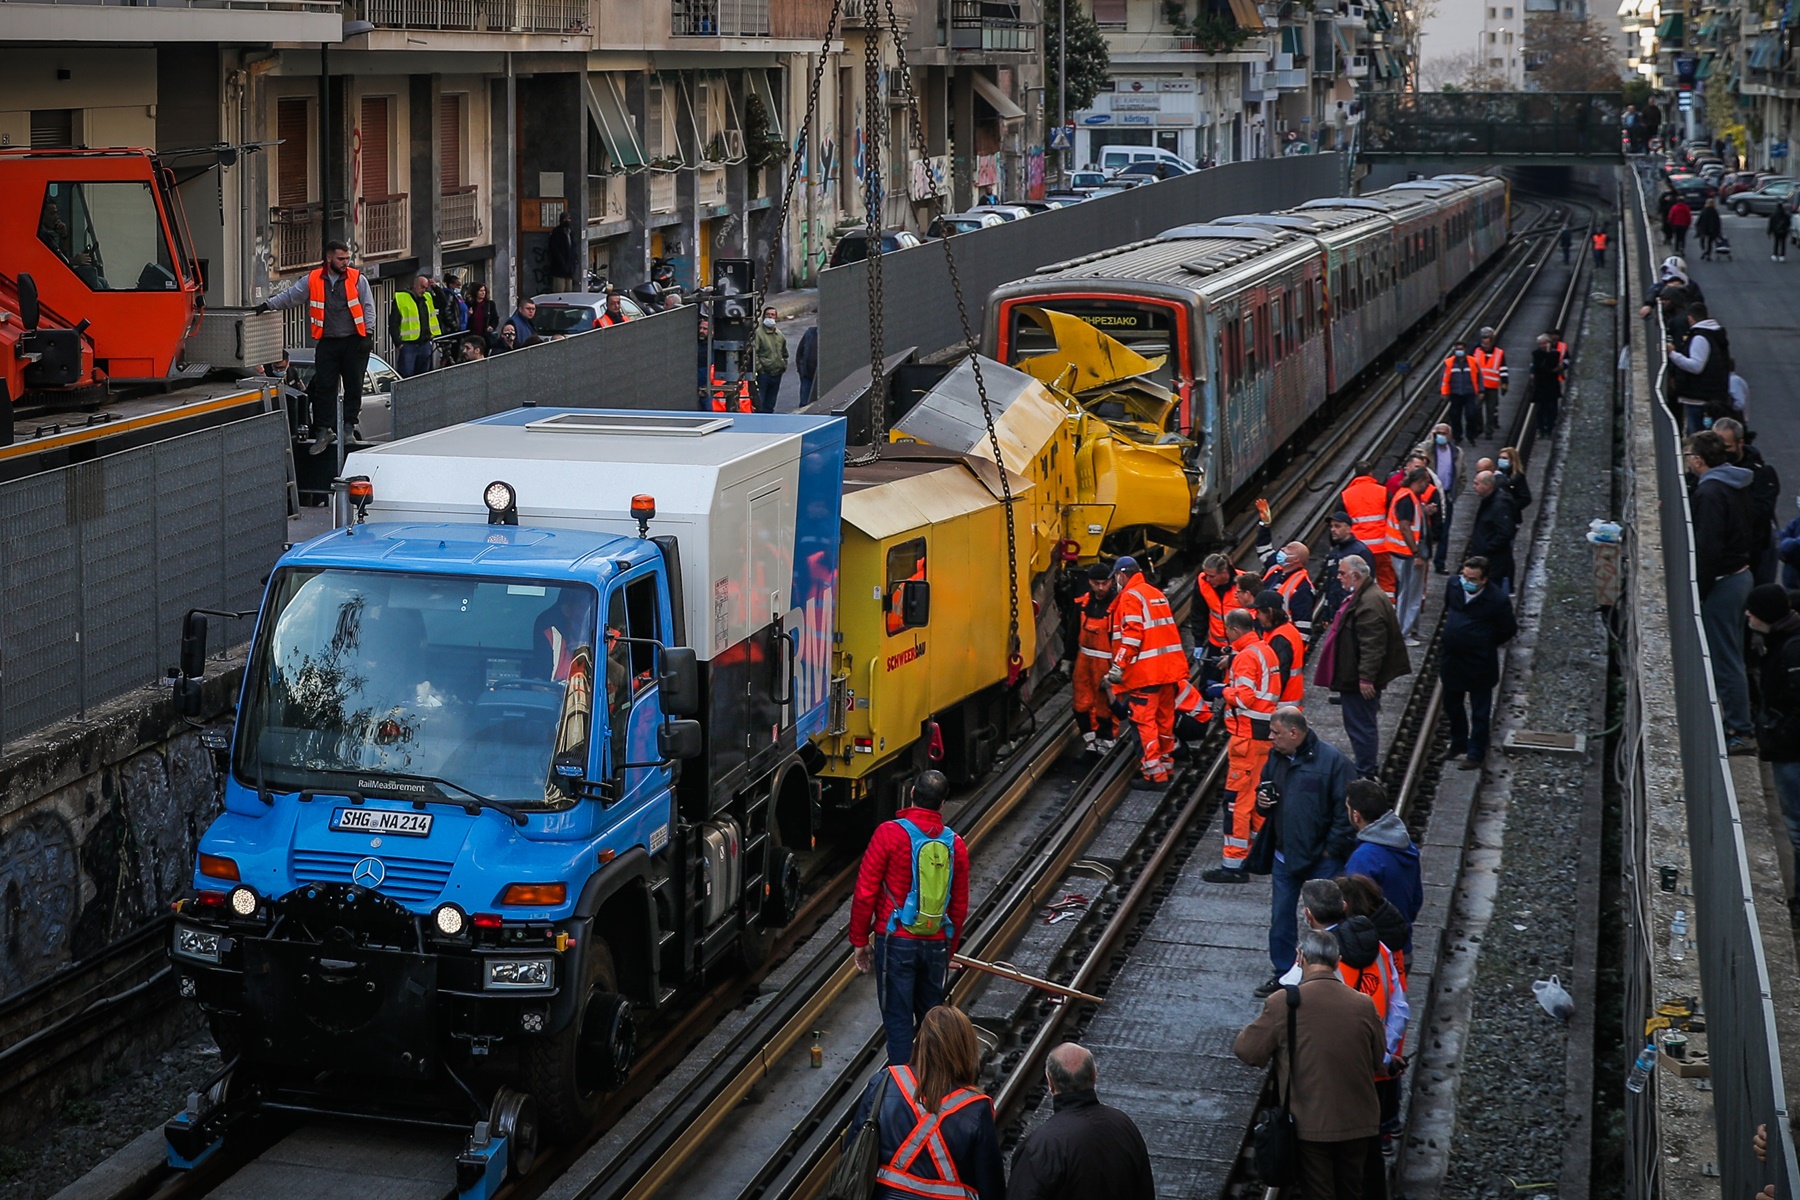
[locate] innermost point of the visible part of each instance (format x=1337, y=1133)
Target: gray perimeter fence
x=1747, y=1086
x=100, y=561
x=648, y=363
x=918, y=303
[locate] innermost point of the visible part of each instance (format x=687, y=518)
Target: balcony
x=172, y=21
x=720, y=18
x=382, y=227
x=296, y=236
x=606, y=199
x=991, y=25
x=479, y=16
x=461, y=210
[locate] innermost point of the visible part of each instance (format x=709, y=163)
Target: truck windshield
x=482, y=682
x=110, y=234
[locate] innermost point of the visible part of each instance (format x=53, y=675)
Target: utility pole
x=1062, y=86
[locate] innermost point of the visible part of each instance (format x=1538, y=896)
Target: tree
x=1566, y=53
x=1463, y=71
x=1089, y=62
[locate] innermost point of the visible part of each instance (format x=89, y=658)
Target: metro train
x=1262, y=319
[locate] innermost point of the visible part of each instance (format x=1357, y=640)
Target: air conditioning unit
x=1359, y=62
x=1354, y=11
x=734, y=143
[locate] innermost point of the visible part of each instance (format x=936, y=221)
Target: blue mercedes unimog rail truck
x=517, y=753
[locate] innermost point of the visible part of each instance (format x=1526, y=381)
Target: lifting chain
x=874, y=128
x=1015, y=660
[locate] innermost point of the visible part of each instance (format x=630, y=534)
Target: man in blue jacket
x=1384, y=850
x=1303, y=788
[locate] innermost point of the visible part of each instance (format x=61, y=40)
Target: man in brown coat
x=1370, y=654
x=1329, y=1077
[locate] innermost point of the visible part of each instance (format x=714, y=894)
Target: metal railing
x=296, y=235
x=382, y=229
x=480, y=16
x=606, y=199
x=460, y=211
x=720, y=18
x=1747, y=1079
x=990, y=25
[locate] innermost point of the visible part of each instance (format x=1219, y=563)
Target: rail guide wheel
x=197, y=1131
x=503, y=1146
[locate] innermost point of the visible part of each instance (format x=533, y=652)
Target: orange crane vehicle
x=98, y=281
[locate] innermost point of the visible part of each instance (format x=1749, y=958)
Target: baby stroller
x=1722, y=248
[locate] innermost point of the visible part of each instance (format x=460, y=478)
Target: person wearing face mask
x=1478, y=620
x=1496, y=524
x=1546, y=383
x=1509, y=465
x=771, y=362
x=1445, y=458
x=1284, y=571
x=1765, y=492
x=1343, y=544
x=1771, y=614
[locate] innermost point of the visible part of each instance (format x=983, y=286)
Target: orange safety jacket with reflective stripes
x=1252, y=688
x=315, y=302
x=1217, y=605
x=721, y=393
x=1372, y=981
x=1094, y=635
x=1367, y=501
x=905, y=1172
x=1492, y=366
x=1190, y=702
x=1471, y=367
x=1599, y=241
x=1292, y=676
x=1146, y=641
x=1397, y=525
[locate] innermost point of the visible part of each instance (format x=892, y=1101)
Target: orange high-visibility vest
x=1600, y=241
x=720, y=397
x=1095, y=634
x=1471, y=366
x=1491, y=364
x=905, y=1172
x=1396, y=536
x=1146, y=640
x=315, y=302
x=1372, y=981
x=1293, y=686
x=1251, y=689
x=1216, y=608
x=1367, y=502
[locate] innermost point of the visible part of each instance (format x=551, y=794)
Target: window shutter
x=293, y=157
x=653, y=121
x=450, y=142
x=373, y=144
x=52, y=128
x=1109, y=12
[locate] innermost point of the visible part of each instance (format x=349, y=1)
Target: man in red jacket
x=898, y=881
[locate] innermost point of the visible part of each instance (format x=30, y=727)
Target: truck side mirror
x=28, y=302
x=193, y=645
x=678, y=739
x=680, y=682
x=915, y=603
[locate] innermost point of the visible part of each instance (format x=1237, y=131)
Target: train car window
x=1249, y=346
x=1264, y=338
x=1277, y=316
x=1222, y=356
x=905, y=562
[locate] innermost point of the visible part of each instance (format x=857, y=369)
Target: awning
x=1706, y=67
x=759, y=86
x=1247, y=15
x=617, y=128
x=1293, y=41
x=1670, y=29
x=1765, y=51
x=990, y=91
x=1346, y=45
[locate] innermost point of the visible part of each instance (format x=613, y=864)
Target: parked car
x=1116, y=188
x=1154, y=170
x=951, y=224
x=1695, y=190
x=1737, y=181
x=1763, y=200
x=1083, y=180
x=377, y=420
x=1065, y=198
x=1052, y=201
x=854, y=245
x=1006, y=212
x=577, y=312
x=1115, y=158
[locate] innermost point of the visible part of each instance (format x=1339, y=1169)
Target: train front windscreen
x=1146, y=327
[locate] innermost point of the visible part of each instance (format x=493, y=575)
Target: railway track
x=652, y=1156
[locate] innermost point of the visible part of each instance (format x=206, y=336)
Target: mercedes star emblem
x=368, y=873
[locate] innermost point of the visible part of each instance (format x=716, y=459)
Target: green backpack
x=926, y=910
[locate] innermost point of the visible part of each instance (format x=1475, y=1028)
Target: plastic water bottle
x=1678, y=936
x=1640, y=1070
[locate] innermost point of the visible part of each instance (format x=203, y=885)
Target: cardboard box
x=1695, y=1066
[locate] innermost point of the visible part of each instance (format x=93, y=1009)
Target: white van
x=1112, y=158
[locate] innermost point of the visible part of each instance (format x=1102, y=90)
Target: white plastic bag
x=1554, y=1000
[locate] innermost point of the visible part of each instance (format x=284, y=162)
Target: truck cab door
x=635, y=609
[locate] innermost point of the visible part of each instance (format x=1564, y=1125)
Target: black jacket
x=563, y=261
x=1780, y=221
x=1311, y=822
x=1086, y=1149
x=1546, y=374
x=1778, y=683
x=1724, y=524
x=806, y=355
x=1392, y=927
x=1707, y=223
x=1516, y=485
x=969, y=1135
x=1765, y=487
x=1496, y=524
x=1333, y=594
x=1475, y=627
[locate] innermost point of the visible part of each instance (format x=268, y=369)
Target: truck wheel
x=568, y=1073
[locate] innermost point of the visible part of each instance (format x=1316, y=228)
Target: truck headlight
x=243, y=901
x=518, y=973
x=196, y=944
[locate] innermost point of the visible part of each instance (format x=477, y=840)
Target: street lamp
x=327, y=143
x=1062, y=87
